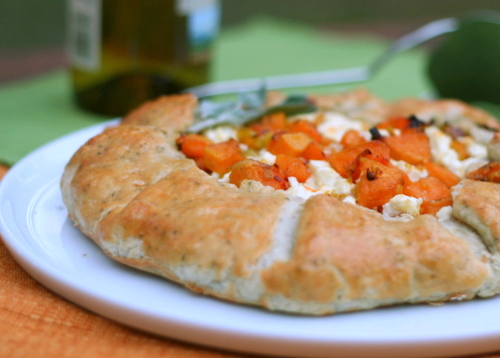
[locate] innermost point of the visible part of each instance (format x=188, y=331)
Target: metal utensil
x=341, y=76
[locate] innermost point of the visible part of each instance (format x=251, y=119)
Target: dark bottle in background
x=125, y=52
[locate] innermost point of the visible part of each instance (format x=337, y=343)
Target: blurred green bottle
x=125, y=52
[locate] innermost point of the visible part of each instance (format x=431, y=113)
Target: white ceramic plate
x=36, y=230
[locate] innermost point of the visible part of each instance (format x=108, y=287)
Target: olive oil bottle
x=125, y=52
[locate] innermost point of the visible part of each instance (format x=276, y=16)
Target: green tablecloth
x=36, y=111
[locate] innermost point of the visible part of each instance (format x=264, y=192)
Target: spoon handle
x=332, y=77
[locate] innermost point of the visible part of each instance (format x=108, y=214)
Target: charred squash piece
x=489, y=172
x=293, y=167
x=343, y=161
x=378, y=183
x=251, y=169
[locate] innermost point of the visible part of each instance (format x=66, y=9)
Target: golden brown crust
x=172, y=113
x=113, y=167
x=477, y=203
x=187, y=218
x=358, y=104
x=345, y=254
x=146, y=205
x=449, y=110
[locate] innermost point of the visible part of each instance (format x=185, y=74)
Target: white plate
x=34, y=226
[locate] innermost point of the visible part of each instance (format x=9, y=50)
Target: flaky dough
x=131, y=191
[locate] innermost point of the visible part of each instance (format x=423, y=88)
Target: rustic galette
x=325, y=204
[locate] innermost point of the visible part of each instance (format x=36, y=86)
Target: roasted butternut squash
x=293, y=167
x=446, y=176
x=193, y=145
x=251, y=169
x=343, y=161
x=220, y=157
x=434, y=193
x=377, y=183
x=412, y=146
x=292, y=144
x=352, y=137
x=489, y=172
x=306, y=127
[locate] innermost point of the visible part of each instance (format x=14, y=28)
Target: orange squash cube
x=220, y=157
x=193, y=145
x=314, y=151
x=251, y=169
x=437, y=171
x=344, y=160
x=489, y=172
x=352, y=137
x=292, y=144
x=394, y=123
x=378, y=183
x=303, y=126
x=412, y=146
x=275, y=121
x=293, y=167
x=434, y=193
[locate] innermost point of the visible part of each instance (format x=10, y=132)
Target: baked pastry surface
x=146, y=205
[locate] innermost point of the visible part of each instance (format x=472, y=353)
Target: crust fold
x=350, y=258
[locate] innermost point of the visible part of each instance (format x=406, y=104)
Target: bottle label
x=203, y=26
x=84, y=34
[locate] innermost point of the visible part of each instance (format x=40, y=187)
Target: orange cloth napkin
x=35, y=322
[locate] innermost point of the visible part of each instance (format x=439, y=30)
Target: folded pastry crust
x=132, y=192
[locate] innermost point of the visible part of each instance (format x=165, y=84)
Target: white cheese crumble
x=221, y=134
x=325, y=179
x=443, y=153
x=441, y=150
x=414, y=173
x=221, y=178
x=263, y=156
x=474, y=149
x=384, y=132
x=299, y=190
x=481, y=135
x=350, y=200
x=401, y=208
x=335, y=125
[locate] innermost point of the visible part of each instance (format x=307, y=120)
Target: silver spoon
x=333, y=77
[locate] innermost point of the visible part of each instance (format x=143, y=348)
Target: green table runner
x=36, y=111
